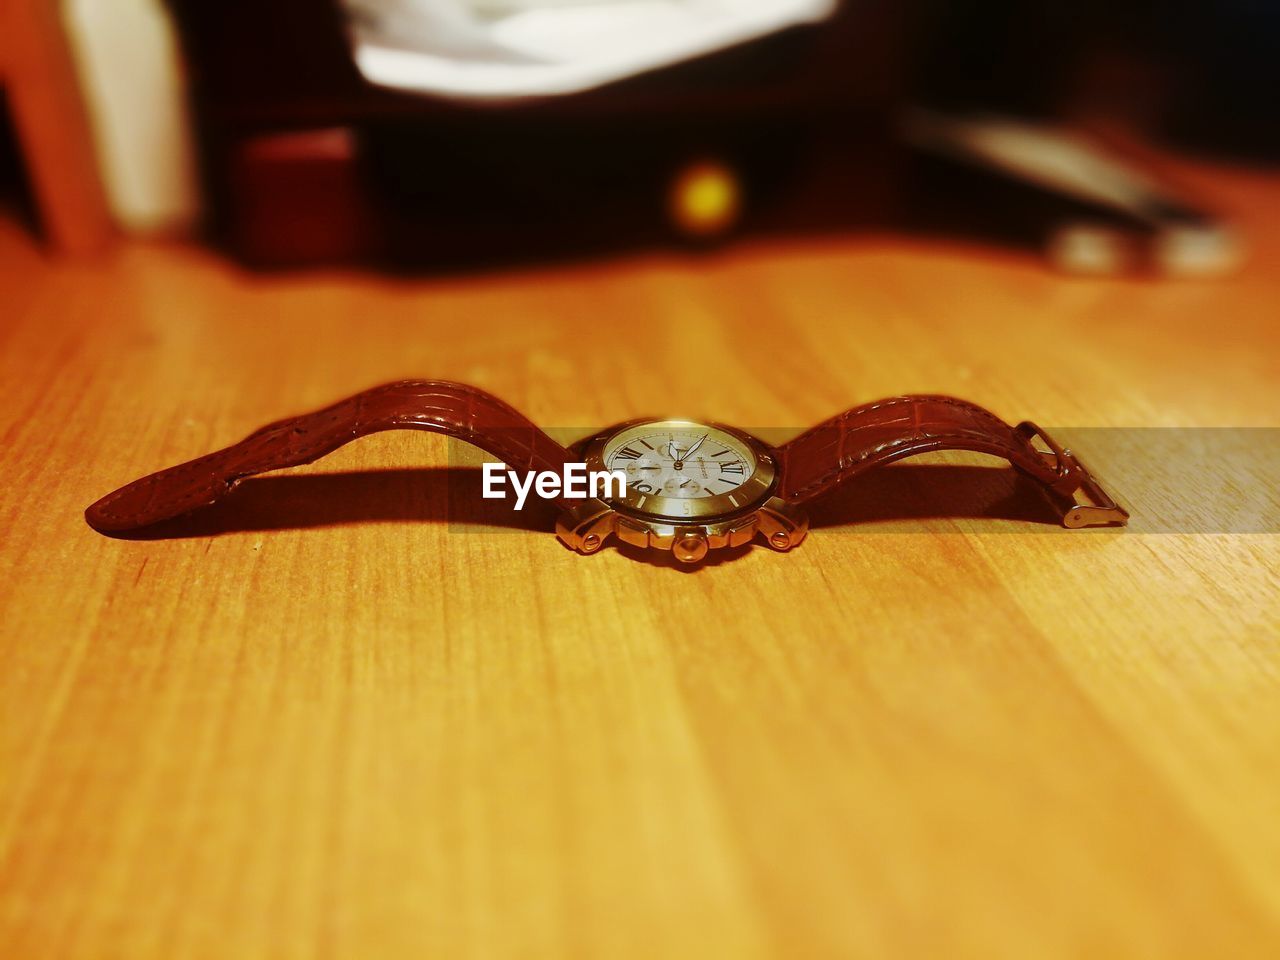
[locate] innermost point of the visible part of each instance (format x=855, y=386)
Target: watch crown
x=690, y=547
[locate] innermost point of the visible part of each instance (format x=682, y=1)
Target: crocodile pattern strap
x=454, y=409
x=887, y=430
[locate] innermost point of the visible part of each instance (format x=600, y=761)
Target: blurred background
x=431, y=135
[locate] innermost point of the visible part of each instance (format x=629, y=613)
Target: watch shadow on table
x=285, y=501
x=896, y=498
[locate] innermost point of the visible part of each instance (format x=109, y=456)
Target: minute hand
x=689, y=453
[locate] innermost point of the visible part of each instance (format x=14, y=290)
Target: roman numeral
x=626, y=453
x=735, y=467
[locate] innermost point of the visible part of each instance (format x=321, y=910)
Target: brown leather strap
x=454, y=409
x=887, y=430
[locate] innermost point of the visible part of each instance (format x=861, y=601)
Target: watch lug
x=782, y=524
x=585, y=526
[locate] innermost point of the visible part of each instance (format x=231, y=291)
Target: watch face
x=680, y=468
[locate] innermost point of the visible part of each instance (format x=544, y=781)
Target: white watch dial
x=690, y=462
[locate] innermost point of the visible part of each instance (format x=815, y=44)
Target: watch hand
x=677, y=458
x=689, y=453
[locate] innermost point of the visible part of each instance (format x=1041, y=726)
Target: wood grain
x=375, y=733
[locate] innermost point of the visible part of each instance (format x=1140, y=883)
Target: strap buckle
x=1097, y=508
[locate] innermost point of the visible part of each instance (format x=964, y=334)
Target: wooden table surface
x=337, y=723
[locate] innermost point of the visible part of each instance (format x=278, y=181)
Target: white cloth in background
x=512, y=49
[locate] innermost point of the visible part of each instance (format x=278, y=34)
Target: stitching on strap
x=840, y=421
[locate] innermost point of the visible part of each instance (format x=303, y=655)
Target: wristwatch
x=690, y=487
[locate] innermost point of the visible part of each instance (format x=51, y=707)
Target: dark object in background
x=15, y=190
x=1225, y=71
x=1203, y=74
x=804, y=119
x=299, y=199
x=477, y=192
x=1092, y=204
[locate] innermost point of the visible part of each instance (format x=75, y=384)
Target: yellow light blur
x=705, y=199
